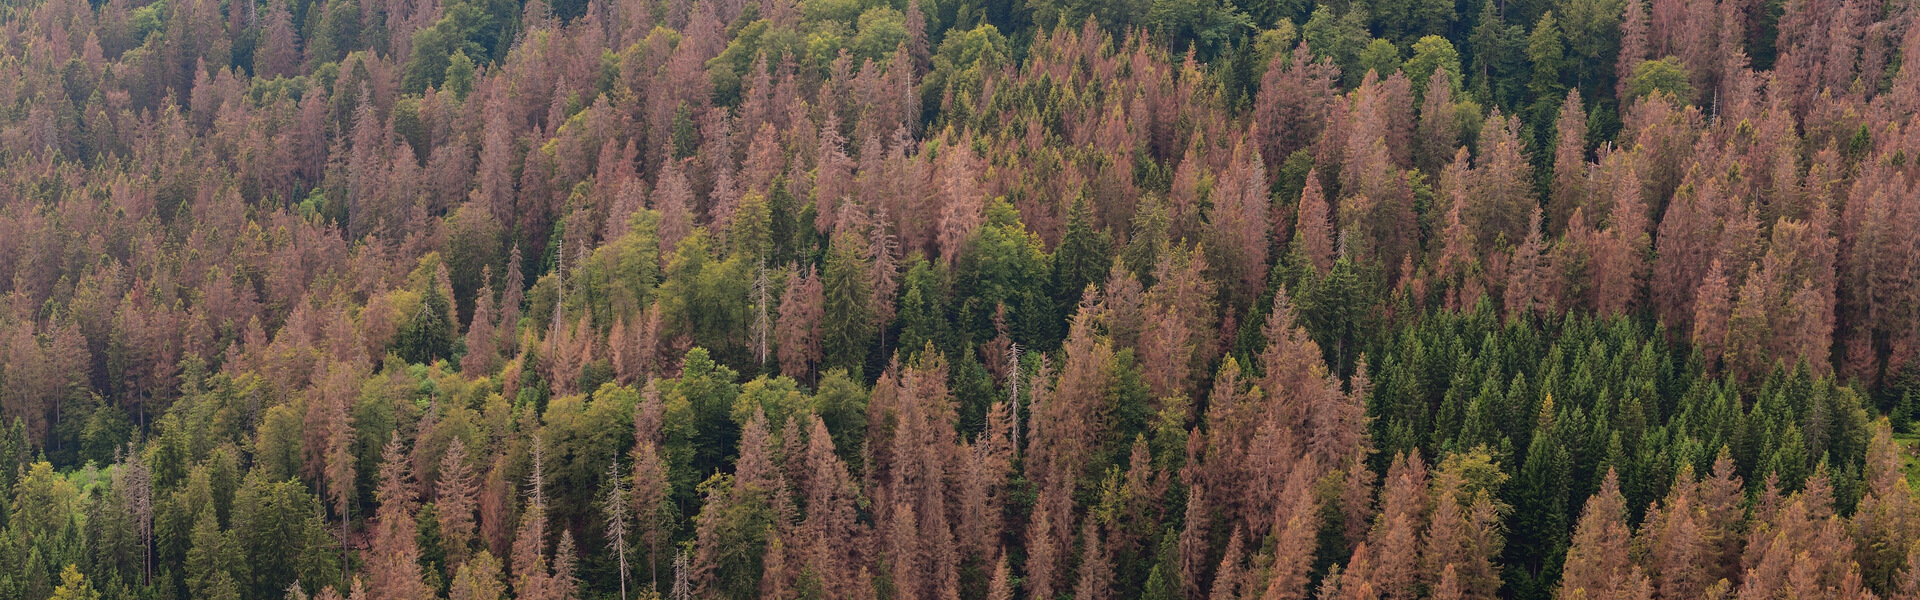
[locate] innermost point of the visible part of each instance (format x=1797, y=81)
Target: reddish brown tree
x=394, y=558
x=797, y=332
x=1572, y=186
x=1530, y=285
x=1438, y=132
x=1192, y=544
x=1313, y=228
x=1598, y=564
x=1297, y=523
x=455, y=496
x=1675, y=546
x=481, y=354
x=1294, y=97
x=280, y=48
x=1238, y=225
x=1096, y=569
x=1502, y=183
x=1710, y=312
x=673, y=197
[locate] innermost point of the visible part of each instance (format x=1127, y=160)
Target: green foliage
x=847, y=330
x=706, y=293
x=1381, y=57
x=1339, y=38
x=962, y=64
x=707, y=391
x=1082, y=258
x=1004, y=265
x=1432, y=53
x=1665, y=76
x=1210, y=27
x=1547, y=52
x=434, y=49
x=429, y=333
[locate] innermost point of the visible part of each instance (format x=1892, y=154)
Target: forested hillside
x=944, y=299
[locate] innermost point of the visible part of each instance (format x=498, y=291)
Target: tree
x=478, y=579
x=211, y=562
x=1598, y=564
x=846, y=325
x=1665, y=76
x=797, y=334
x=651, y=505
x=1313, y=228
x=1529, y=285
x=1546, y=49
x=1096, y=573
x=74, y=586
x=1438, y=133
x=1082, y=258
x=394, y=564
x=1710, y=312
x=1633, y=46
x=455, y=493
x=1502, y=183
x=1295, y=94
x=1433, y=57
x=1571, y=188
x=428, y=334
x=279, y=53
x=615, y=508
x=482, y=354
x=959, y=198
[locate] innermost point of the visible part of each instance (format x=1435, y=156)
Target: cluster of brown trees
x=791, y=299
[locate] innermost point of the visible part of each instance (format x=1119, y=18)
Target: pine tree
x=1297, y=527
x=797, y=334
x=478, y=579
x=1313, y=228
x=1502, y=183
x=1598, y=564
x=960, y=199
x=1529, y=285
x=1238, y=225
x=846, y=325
x=1571, y=185
x=1096, y=573
x=1710, y=314
x=1082, y=258
x=1227, y=578
x=651, y=493
x=1295, y=94
x=455, y=494
x=1633, y=46
x=1438, y=133
x=1394, y=539
x=1000, y=587
x=614, y=506
x=394, y=562
x=1676, y=545
x=481, y=352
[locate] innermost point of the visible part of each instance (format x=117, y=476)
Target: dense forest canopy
x=943, y=299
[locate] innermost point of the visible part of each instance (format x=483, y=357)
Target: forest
x=959, y=299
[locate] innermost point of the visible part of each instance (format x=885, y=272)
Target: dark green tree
x=846, y=330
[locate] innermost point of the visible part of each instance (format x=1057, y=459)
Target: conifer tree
x=1313, y=228
x=455, y=494
x=1598, y=564
x=797, y=333
x=846, y=325
x=394, y=565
